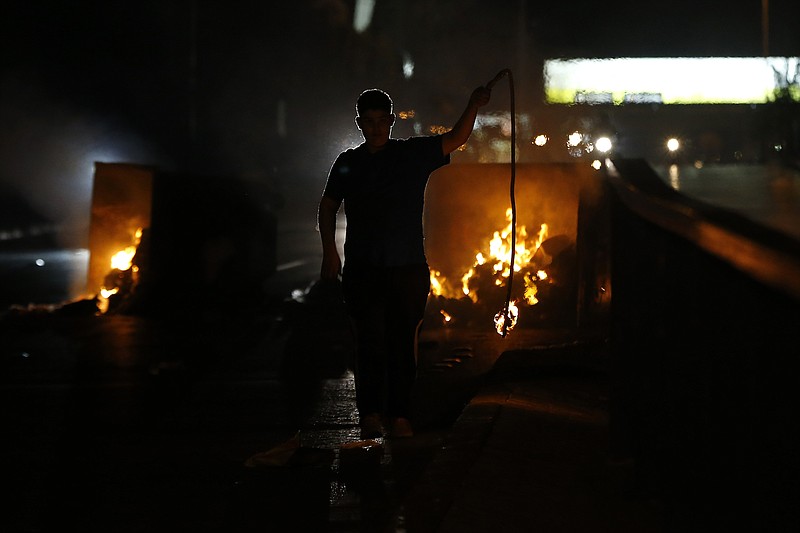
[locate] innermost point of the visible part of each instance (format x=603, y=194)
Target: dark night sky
x=198, y=85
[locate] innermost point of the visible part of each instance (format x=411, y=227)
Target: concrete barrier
x=704, y=332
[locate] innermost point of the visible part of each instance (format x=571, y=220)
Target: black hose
x=506, y=308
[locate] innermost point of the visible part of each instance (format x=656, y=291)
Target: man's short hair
x=373, y=99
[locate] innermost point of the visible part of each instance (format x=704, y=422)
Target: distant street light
x=603, y=144
x=673, y=144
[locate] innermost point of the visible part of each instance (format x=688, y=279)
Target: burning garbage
x=482, y=287
x=156, y=248
x=469, y=246
x=121, y=280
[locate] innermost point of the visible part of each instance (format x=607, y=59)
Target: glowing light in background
x=603, y=145
x=408, y=66
x=675, y=177
x=575, y=138
x=673, y=144
x=668, y=80
x=579, y=144
x=362, y=16
x=540, y=140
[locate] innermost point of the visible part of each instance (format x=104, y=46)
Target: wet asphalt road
x=130, y=423
x=125, y=423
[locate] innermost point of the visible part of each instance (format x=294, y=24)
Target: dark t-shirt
x=383, y=196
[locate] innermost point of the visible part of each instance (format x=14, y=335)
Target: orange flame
x=496, y=259
x=500, y=318
x=499, y=254
x=122, y=261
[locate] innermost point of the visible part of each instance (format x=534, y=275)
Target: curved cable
x=507, y=306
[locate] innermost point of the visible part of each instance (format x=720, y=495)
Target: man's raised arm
x=465, y=124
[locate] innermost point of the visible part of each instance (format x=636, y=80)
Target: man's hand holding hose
x=464, y=125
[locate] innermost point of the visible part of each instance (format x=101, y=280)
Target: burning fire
x=492, y=267
x=500, y=318
x=121, y=262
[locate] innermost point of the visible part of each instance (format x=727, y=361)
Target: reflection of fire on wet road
x=484, y=280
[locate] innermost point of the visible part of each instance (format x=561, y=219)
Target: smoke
x=47, y=155
x=466, y=203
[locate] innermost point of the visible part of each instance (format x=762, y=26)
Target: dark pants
x=386, y=306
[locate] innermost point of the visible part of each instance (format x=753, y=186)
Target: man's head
x=374, y=118
x=374, y=99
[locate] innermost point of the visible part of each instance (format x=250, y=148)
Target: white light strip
x=669, y=80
